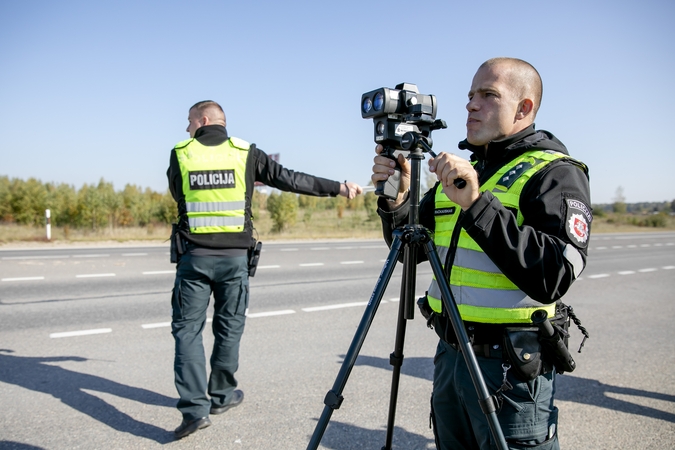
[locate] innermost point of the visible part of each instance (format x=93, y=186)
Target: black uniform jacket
x=259, y=167
x=530, y=255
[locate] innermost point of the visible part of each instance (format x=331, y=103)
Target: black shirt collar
x=211, y=135
x=495, y=149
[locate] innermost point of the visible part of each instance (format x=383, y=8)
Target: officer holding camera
x=211, y=177
x=512, y=240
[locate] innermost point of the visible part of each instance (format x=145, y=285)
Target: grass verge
x=315, y=225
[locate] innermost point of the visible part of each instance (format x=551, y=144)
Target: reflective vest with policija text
x=482, y=292
x=214, y=185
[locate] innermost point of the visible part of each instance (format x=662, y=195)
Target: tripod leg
x=405, y=313
x=333, y=398
x=487, y=402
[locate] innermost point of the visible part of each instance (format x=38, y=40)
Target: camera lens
x=379, y=101
x=379, y=129
x=367, y=105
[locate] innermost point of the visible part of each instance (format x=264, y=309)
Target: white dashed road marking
x=80, y=333
x=23, y=279
x=271, y=313
x=95, y=275
x=329, y=307
x=156, y=325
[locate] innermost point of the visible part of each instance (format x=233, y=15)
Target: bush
x=283, y=209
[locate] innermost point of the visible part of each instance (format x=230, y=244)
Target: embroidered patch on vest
x=212, y=179
x=513, y=173
x=445, y=211
x=579, y=218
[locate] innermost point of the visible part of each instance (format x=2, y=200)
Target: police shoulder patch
x=578, y=220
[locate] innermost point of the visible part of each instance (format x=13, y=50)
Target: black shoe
x=190, y=426
x=237, y=398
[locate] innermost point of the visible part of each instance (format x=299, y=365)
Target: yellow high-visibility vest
x=214, y=185
x=482, y=292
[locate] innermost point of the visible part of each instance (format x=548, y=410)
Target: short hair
x=210, y=109
x=524, y=78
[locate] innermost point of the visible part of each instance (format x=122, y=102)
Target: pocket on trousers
x=548, y=442
x=176, y=302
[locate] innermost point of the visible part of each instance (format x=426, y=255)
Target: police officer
x=211, y=177
x=512, y=241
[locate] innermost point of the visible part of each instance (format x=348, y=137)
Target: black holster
x=176, y=248
x=253, y=258
x=523, y=351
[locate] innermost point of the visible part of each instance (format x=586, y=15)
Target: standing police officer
x=211, y=177
x=512, y=241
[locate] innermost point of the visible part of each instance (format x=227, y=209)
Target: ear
x=524, y=109
x=205, y=121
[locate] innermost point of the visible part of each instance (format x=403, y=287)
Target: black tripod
x=408, y=239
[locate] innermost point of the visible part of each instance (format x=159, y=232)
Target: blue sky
x=92, y=90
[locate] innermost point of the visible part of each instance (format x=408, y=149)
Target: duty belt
x=484, y=350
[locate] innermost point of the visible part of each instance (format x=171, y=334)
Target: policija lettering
x=212, y=179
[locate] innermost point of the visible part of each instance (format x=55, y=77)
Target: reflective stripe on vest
x=214, y=185
x=482, y=292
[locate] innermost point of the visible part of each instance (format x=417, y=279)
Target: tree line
x=95, y=206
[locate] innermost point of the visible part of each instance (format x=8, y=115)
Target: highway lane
x=39, y=288
x=71, y=288
x=114, y=389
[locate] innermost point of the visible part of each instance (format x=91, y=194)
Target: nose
x=471, y=106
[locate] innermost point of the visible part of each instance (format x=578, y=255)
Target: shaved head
x=210, y=109
x=204, y=113
x=523, y=78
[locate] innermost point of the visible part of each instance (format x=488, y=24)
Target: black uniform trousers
x=196, y=278
x=527, y=415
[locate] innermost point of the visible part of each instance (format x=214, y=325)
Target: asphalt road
x=86, y=351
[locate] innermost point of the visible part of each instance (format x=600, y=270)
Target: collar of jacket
x=211, y=135
x=513, y=145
